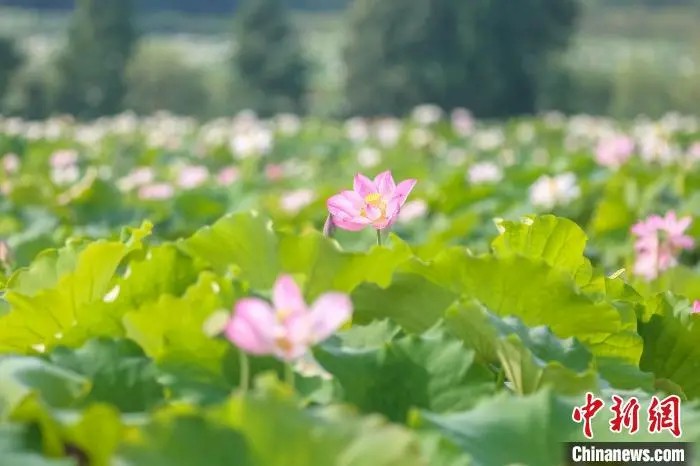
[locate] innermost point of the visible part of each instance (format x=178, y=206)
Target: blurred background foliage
x=333, y=58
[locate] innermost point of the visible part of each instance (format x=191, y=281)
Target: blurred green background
x=618, y=58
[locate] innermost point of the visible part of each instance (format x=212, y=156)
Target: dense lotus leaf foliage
x=509, y=286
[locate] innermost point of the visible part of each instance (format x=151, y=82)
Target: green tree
x=10, y=61
x=91, y=70
x=270, y=72
x=487, y=55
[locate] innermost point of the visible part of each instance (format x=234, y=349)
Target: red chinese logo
x=663, y=415
x=626, y=415
x=587, y=412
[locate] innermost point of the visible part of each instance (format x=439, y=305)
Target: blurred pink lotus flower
x=287, y=328
x=484, y=172
x=274, y=172
x=293, y=201
x=614, y=152
x=413, y=210
x=138, y=177
x=462, y=121
x=192, y=176
x=228, y=176
x=376, y=203
x=64, y=158
x=388, y=131
x=10, y=163
x=659, y=242
x=156, y=192
x=696, y=307
x=5, y=253
x=694, y=152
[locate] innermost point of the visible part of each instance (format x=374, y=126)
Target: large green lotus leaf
x=327, y=267
x=410, y=300
x=671, y=334
x=432, y=371
x=91, y=436
x=161, y=270
x=280, y=434
x=149, y=275
x=441, y=451
x=269, y=429
x=95, y=435
x=187, y=440
x=507, y=430
x=20, y=376
x=120, y=373
x=171, y=330
x=14, y=450
x=558, y=242
x=538, y=294
x=60, y=291
x=531, y=358
x=243, y=240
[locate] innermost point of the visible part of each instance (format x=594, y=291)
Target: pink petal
x=640, y=229
x=286, y=295
x=363, y=185
x=351, y=224
x=680, y=226
x=348, y=203
x=696, y=307
x=404, y=189
x=328, y=314
x=252, y=326
x=385, y=184
x=293, y=341
x=683, y=242
x=393, y=207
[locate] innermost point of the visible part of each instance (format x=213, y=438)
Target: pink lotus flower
x=192, y=176
x=659, y=242
x=156, y=191
x=614, y=152
x=287, y=328
x=10, y=163
x=376, y=203
x=274, y=172
x=227, y=176
x=696, y=307
x=64, y=158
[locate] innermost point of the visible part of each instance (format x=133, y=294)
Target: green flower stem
x=289, y=375
x=379, y=237
x=244, y=382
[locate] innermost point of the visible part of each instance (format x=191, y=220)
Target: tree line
x=189, y=6
x=491, y=56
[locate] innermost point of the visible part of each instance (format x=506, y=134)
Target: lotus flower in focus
x=286, y=328
x=373, y=203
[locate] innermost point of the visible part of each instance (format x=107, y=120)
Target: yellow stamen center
x=284, y=344
x=374, y=200
x=282, y=314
